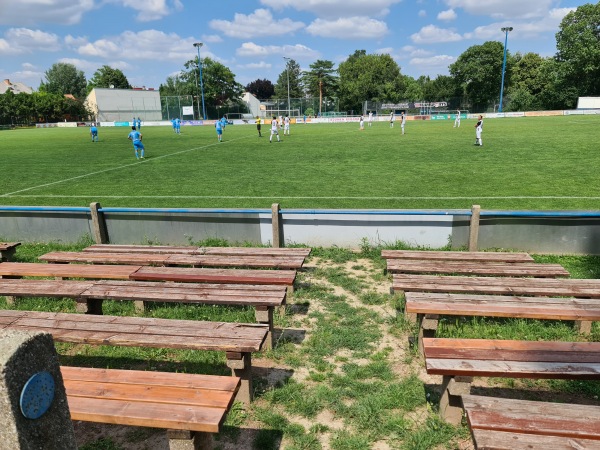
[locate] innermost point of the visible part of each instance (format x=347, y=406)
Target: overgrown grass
x=318, y=166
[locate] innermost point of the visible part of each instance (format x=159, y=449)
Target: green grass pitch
x=526, y=163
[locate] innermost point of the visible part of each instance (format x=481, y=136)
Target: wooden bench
x=146, y=273
x=504, y=269
x=459, y=360
x=569, y=287
x=509, y=424
x=457, y=256
x=237, y=340
x=7, y=250
x=89, y=295
x=194, y=250
x=429, y=306
x=167, y=259
x=175, y=401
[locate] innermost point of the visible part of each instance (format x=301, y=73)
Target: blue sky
x=152, y=39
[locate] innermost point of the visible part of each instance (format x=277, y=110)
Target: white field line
x=235, y=197
x=11, y=194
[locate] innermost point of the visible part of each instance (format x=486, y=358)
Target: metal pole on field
x=287, y=68
x=506, y=31
x=198, y=45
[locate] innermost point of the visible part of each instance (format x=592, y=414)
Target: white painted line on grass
x=8, y=194
x=236, y=197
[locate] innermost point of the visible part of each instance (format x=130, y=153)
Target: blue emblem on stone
x=37, y=395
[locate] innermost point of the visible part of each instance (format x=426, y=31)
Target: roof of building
x=17, y=88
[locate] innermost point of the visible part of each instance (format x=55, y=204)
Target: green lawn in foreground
x=526, y=163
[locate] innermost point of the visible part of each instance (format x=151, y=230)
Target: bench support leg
x=89, y=306
x=140, y=306
x=241, y=366
x=583, y=326
x=6, y=255
x=428, y=324
x=189, y=440
x=451, y=409
x=264, y=315
x=10, y=299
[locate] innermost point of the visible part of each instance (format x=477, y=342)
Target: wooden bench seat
x=505, y=269
x=459, y=360
x=238, y=341
x=166, y=259
x=147, y=273
x=509, y=424
x=569, y=287
x=175, y=401
x=7, y=250
x=90, y=295
x=429, y=306
x=456, y=256
x=194, y=250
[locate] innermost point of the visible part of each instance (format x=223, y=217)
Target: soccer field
x=525, y=163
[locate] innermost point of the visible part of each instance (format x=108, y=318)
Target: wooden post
x=275, y=222
x=241, y=366
x=474, y=228
x=98, y=224
x=451, y=409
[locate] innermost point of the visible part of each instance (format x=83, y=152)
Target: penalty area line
x=112, y=169
x=305, y=197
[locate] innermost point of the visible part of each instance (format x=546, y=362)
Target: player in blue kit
x=177, y=125
x=94, y=132
x=219, y=129
x=136, y=137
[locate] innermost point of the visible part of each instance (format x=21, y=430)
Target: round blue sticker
x=37, y=395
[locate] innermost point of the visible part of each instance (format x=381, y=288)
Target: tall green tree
x=369, y=77
x=321, y=80
x=219, y=85
x=296, y=89
x=261, y=89
x=64, y=78
x=106, y=77
x=578, y=44
x=479, y=72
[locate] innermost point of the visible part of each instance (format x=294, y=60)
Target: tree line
x=532, y=82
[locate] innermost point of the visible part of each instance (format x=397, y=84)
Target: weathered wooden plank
x=533, y=417
x=269, y=262
x=494, y=344
x=456, y=256
x=514, y=369
x=498, y=286
x=43, y=288
x=66, y=270
x=502, y=306
x=9, y=245
x=208, y=275
x=501, y=440
x=477, y=268
x=155, y=399
x=236, y=251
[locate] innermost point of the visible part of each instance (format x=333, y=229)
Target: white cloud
x=447, y=15
x=150, y=45
x=504, y=9
x=82, y=64
x=24, y=40
x=151, y=9
x=348, y=28
x=298, y=51
x=260, y=65
x=259, y=23
x=212, y=38
x=431, y=34
x=31, y=12
x=75, y=42
x=422, y=13
x=333, y=9
x=433, y=65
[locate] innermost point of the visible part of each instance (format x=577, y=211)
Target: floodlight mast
x=287, y=68
x=198, y=45
x=506, y=31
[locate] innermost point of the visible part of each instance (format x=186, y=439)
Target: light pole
x=198, y=45
x=287, y=68
x=506, y=31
